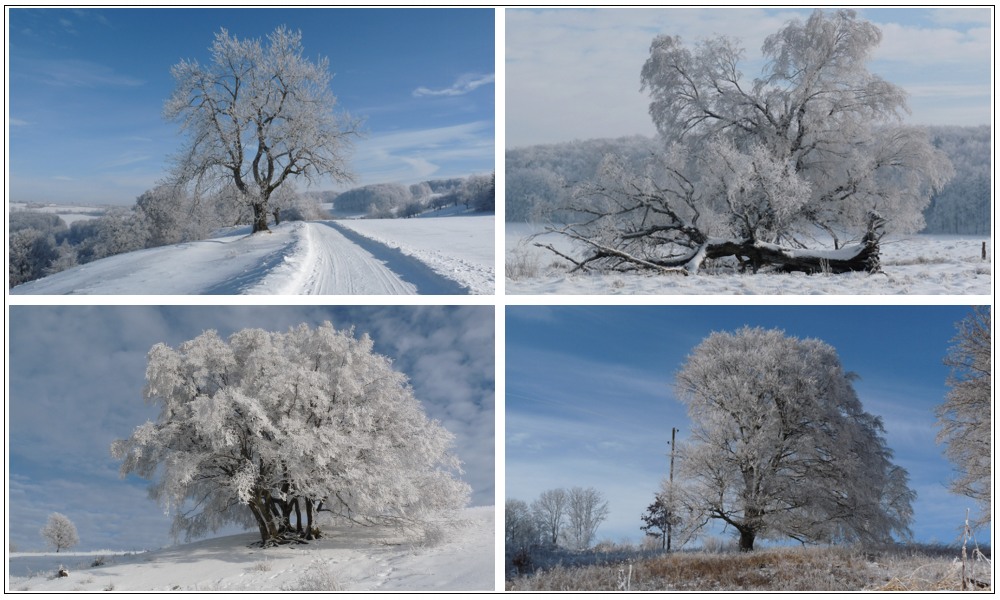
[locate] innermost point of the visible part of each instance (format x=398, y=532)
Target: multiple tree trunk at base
x=274, y=520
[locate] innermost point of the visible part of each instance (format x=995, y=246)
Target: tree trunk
x=747, y=537
x=258, y=507
x=864, y=256
x=298, y=516
x=311, y=533
x=286, y=515
x=260, y=217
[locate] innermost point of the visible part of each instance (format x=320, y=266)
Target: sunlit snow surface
x=461, y=558
x=917, y=265
x=448, y=255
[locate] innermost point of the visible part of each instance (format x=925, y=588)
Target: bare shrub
x=521, y=264
x=434, y=534
x=262, y=566
x=717, y=545
x=316, y=578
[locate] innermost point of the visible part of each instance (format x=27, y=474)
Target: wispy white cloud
x=961, y=16
x=15, y=122
x=75, y=73
x=125, y=160
x=412, y=156
x=463, y=85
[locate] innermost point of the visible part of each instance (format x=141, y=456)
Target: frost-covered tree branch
x=965, y=417
x=757, y=170
x=257, y=116
x=258, y=428
x=781, y=446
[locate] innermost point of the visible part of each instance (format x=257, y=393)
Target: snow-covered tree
x=963, y=205
x=166, y=209
x=256, y=116
x=965, y=417
x=172, y=215
x=477, y=192
x=374, y=199
x=263, y=426
x=586, y=509
x=781, y=446
x=59, y=532
x=754, y=169
x=549, y=510
x=520, y=527
x=30, y=253
x=118, y=231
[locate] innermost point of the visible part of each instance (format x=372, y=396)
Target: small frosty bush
x=316, y=578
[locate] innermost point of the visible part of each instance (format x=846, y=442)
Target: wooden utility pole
x=670, y=516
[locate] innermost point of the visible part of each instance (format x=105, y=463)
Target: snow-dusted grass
x=449, y=255
x=458, y=557
x=919, y=264
x=904, y=568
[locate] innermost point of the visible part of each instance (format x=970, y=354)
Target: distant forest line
x=540, y=178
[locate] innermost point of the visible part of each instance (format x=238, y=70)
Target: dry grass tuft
x=774, y=569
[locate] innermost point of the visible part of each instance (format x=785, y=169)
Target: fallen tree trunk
x=861, y=257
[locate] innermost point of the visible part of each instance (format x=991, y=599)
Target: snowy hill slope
x=459, y=556
x=322, y=257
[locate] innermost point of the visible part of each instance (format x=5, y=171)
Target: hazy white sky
x=574, y=73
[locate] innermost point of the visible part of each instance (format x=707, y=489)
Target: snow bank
x=455, y=555
x=920, y=264
x=459, y=247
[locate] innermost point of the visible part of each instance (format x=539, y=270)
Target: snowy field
x=68, y=213
x=456, y=557
x=417, y=256
x=458, y=247
x=917, y=265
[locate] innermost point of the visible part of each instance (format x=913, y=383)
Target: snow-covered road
x=330, y=260
x=296, y=258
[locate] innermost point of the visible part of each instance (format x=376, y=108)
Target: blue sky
x=574, y=73
x=589, y=398
x=75, y=385
x=87, y=87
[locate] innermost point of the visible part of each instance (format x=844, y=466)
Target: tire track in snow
x=336, y=265
x=404, y=266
